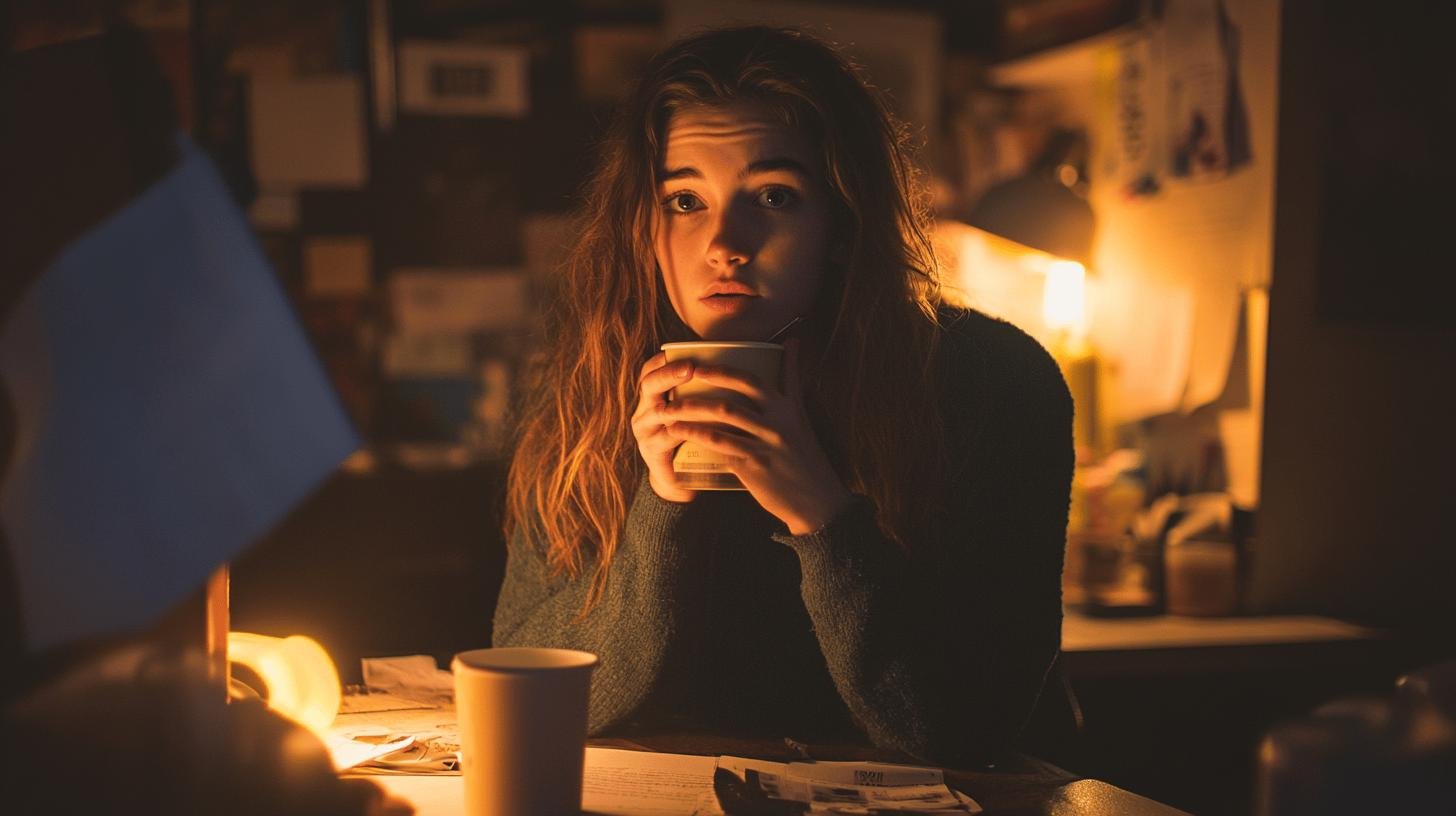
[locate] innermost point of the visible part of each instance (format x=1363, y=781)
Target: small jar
x=1200, y=578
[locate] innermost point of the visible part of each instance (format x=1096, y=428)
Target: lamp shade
x=1038, y=212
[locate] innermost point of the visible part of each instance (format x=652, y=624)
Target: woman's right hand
x=649, y=424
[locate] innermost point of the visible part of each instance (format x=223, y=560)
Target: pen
x=799, y=748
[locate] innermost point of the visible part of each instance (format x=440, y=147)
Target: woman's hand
x=780, y=459
x=648, y=424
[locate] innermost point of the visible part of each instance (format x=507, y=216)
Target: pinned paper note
x=275, y=211
x=459, y=300
x=308, y=132
x=464, y=79
x=337, y=266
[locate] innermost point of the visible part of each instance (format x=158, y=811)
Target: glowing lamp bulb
x=302, y=683
x=1064, y=298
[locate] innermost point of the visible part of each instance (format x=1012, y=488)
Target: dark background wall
x=1359, y=437
x=392, y=562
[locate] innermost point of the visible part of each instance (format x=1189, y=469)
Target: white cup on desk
x=522, y=715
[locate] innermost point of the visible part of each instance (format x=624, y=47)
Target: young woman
x=893, y=568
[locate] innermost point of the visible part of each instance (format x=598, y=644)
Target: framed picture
x=463, y=79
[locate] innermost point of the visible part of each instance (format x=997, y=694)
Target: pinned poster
x=168, y=411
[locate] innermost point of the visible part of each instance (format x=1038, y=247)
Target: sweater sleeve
x=635, y=620
x=942, y=652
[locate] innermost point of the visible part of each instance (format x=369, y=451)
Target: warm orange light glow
x=303, y=684
x=1044, y=295
x=1064, y=297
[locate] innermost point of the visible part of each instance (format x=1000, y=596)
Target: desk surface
x=1167, y=645
x=1023, y=786
x=1085, y=634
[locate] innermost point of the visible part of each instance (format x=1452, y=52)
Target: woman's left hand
x=780, y=459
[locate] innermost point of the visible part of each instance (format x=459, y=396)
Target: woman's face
x=743, y=227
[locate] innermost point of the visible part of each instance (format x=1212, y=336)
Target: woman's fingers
x=654, y=362
x=656, y=379
x=732, y=379
x=659, y=377
x=716, y=439
x=656, y=442
x=722, y=412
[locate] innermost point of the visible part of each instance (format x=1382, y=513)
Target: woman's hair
x=869, y=342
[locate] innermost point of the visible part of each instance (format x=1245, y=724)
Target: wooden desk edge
x=1082, y=634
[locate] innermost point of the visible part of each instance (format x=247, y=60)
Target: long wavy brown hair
x=869, y=344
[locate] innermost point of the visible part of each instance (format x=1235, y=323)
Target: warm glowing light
x=1064, y=298
x=303, y=684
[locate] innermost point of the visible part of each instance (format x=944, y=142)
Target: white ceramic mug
x=522, y=715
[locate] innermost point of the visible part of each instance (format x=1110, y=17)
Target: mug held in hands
x=696, y=467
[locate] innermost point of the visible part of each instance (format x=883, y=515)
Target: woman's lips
x=728, y=304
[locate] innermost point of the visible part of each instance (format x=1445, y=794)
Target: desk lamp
x=1044, y=215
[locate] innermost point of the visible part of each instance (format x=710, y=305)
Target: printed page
x=865, y=773
x=615, y=783
x=640, y=783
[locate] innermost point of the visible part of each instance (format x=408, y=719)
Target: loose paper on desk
x=409, y=702
x=851, y=787
x=433, y=746
x=647, y=784
x=411, y=676
x=347, y=751
x=168, y=411
x=614, y=783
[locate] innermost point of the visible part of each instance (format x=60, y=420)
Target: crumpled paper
x=413, y=676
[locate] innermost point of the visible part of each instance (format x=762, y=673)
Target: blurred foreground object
x=1361, y=756
x=168, y=410
x=298, y=678
x=140, y=731
x=160, y=410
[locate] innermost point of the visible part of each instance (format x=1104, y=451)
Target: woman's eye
x=683, y=203
x=776, y=197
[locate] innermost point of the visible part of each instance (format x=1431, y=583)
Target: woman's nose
x=731, y=244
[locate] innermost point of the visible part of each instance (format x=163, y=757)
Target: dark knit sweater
x=715, y=617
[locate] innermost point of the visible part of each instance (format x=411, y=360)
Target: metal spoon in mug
x=784, y=330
